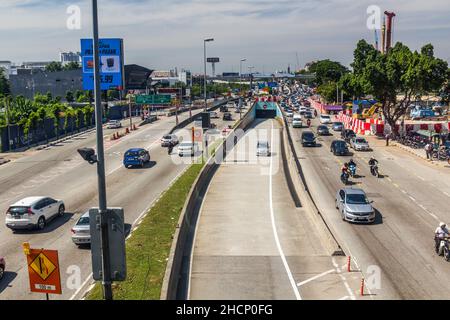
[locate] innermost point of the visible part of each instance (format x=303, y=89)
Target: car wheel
x=61, y=210
x=41, y=223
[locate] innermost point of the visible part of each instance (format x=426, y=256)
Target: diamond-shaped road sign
x=43, y=270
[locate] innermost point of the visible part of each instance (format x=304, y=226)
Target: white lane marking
x=81, y=287
x=446, y=193
x=316, y=277
x=274, y=228
x=412, y=198
x=344, y=280
x=420, y=177
x=344, y=298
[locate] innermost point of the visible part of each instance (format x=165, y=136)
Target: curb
x=399, y=145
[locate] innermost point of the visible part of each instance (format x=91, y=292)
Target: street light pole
x=106, y=272
x=204, y=53
x=240, y=70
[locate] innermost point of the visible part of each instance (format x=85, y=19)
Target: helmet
x=442, y=224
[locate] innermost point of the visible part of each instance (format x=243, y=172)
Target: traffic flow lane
x=389, y=242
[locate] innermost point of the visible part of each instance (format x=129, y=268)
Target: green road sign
x=153, y=99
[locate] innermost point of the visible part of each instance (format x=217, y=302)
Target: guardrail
x=176, y=279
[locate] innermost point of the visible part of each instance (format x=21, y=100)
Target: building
x=171, y=77
x=6, y=66
x=35, y=65
x=67, y=57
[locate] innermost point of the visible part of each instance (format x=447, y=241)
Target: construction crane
x=390, y=16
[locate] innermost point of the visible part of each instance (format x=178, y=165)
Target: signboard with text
x=111, y=64
x=43, y=270
x=153, y=99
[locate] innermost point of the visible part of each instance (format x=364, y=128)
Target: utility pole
x=204, y=52
x=129, y=110
x=7, y=100
x=106, y=268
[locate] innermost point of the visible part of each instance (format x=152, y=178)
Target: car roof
x=135, y=150
x=350, y=190
x=27, y=201
x=307, y=132
x=85, y=215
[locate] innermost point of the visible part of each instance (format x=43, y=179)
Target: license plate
x=17, y=217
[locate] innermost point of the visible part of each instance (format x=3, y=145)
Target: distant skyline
x=167, y=34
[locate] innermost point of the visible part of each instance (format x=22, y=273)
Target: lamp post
x=240, y=70
x=204, y=52
x=250, y=70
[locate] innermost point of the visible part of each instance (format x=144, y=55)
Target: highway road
x=411, y=199
x=251, y=241
x=59, y=172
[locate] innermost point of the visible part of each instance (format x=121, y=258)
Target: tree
x=54, y=66
x=72, y=66
x=56, y=113
x=327, y=70
x=69, y=96
x=328, y=91
x=4, y=84
x=42, y=114
x=397, y=78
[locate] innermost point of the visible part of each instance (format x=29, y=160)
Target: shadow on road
x=147, y=165
x=8, y=277
x=51, y=226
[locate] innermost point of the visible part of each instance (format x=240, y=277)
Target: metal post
x=204, y=80
x=7, y=100
x=129, y=110
x=106, y=272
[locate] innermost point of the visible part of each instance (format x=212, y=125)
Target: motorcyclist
x=308, y=122
x=372, y=163
x=351, y=163
x=440, y=234
x=169, y=149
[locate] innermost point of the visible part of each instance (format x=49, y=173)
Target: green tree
x=327, y=70
x=4, y=84
x=397, y=78
x=69, y=96
x=328, y=91
x=72, y=66
x=42, y=114
x=54, y=67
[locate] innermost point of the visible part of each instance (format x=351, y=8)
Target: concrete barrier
x=176, y=279
x=301, y=186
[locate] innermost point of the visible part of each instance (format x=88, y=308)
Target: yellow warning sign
x=42, y=266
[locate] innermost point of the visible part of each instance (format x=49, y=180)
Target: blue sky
x=164, y=34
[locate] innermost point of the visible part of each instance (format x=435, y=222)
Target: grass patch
x=149, y=247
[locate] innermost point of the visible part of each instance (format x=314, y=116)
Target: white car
x=81, y=232
x=262, y=149
x=188, y=149
x=213, y=115
x=325, y=119
x=297, y=121
x=114, y=124
x=359, y=144
x=169, y=140
x=33, y=212
x=289, y=114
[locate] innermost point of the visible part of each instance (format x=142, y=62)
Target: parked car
x=354, y=206
x=308, y=138
x=136, y=157
x=188, y=149
x=169, y=140
x=33, y=212
x=297, y=121
x=2, y=267
x=81, y=232
x=337, y=126
x=323, y=130
x=339, y=148
x=114, y=124
x=325, y=119
x=227, y=116
x=347, y=134
x=359, y=144
x=262, y=149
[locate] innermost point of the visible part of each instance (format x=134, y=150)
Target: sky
x=164, y=34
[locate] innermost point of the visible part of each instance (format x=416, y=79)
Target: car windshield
x=337, y=123
x=132, y=154
x=360, y=141
x=263, y=144
x=186, y=144
x=83, y=221
x=18, y=210
x=322, y=128
x=325, y=117
x=167, y=137
x=340, y=144
x=357, y=198
x=308, y=135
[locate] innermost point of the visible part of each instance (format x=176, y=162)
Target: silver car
x=263, y=149
x=81, y=232
x=354, y=206
x=359, y=144
x=114, y=124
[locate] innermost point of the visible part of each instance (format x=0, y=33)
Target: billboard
x=213, y=60
x=111, y=64
x=153, y=99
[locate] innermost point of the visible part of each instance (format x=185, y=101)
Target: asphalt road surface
x=59, y=172
x=410, y=198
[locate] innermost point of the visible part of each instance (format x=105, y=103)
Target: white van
x=297, y=121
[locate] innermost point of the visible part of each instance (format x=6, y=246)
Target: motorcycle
x=344, y=178
x=374, y=171
x=443, y=248
x=352, y=169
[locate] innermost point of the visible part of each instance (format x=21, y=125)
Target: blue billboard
x=111, y=64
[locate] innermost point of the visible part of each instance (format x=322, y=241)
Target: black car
x=227, y=116
x=323, y=130
x=308, y=138
x=223, y=109
x=347, y=134
x=339, y=148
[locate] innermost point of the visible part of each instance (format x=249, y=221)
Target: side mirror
x=88, y=154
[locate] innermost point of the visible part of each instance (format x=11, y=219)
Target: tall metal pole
x=106, y=268
x=204, y=82
x=7, y=100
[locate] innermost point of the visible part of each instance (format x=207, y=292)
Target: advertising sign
x=43, y=271
x=111, y=64
x=213, y=60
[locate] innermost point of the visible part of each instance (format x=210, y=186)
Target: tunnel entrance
x=266, y=114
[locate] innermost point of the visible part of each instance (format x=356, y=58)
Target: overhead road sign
x=153, y=99
x=111, y=64
x=213, y=60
